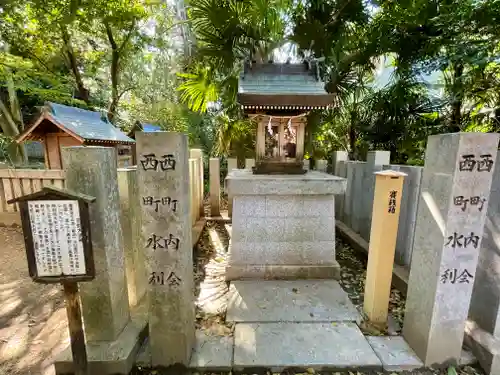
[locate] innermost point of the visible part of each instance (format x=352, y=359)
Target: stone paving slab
x=289, y=301
x=212, y=353
x=395, y=353
x=320, y=346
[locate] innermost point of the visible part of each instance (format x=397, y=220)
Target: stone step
x=289, y=301
x=319, y=346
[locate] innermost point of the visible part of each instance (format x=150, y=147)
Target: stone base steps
x=300, y=324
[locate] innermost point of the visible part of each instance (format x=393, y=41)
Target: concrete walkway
x=302, y=324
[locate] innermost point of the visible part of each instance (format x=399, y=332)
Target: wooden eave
x=46, y=116
x=285, y=101
x=90, y=141
x=137, y=127
x=54, y=192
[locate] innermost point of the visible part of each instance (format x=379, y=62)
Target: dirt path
x=33, y=327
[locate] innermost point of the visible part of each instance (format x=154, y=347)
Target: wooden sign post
x=56, y=228
x=384, y=231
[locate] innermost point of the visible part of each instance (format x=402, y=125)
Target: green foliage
x=120, y=55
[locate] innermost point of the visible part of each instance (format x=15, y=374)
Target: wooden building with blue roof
x=63, y=126
x=141, y=127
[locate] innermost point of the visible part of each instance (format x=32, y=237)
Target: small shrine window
x=280, y=138
x=272, y=142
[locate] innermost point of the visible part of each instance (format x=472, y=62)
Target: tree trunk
x=83, y=92
x=456, y=105
x=116, y=54
x=115, y=58
x=16, y=153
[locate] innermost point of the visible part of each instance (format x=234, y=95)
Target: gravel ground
x=33, y=326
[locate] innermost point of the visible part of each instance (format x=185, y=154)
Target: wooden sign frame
x=53, y=194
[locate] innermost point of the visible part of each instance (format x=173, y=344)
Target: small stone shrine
x=283, y=222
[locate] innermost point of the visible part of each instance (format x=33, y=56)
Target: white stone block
x=275, y=228
x=249, y=206
x=325, y=228
x=318, y=252
x=299, y=230
x=284, y=206
x=318, y=205
x=256, y=230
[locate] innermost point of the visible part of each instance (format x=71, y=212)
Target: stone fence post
x=452, y=205
x=163, y=175
x=338, y=162
x=104, y=300
x=483, y=330
x=105, y=304
x=196, y=153
x=214, y=187
x=374, y=162
x=131, y=228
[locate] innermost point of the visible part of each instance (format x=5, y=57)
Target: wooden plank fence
x=18, y=182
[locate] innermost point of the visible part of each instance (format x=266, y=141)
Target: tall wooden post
x=384, y=231
x=76, y=333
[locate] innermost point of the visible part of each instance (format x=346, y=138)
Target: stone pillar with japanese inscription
x=131, y=228
x=105, y=304
x=454, y=195
x=163, y=175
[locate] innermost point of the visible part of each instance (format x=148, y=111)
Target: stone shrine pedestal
x=283, y=226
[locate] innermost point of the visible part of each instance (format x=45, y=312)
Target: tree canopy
x=439, y=61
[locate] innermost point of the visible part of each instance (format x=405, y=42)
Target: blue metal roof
x=88, y=125
x=150, y=128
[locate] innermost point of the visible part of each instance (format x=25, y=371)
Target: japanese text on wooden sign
x=392, y=202
x=57, y=237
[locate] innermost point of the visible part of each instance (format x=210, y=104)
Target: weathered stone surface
x=292, y=230
x=321, y=165
x=357, y=199
x=196, y=153
x=243, y=182
x=131, y=227
x=214, y=168
x=111, y=357
x=447, y=242
x=289, y=301
x=375, y=160
x=105, y=304
x=167, y=244
x=467, y=358
x=341, y=171
x=306, y=345
x=283, y=253
x=485, y=346
x=394, y=353
x=485, y=302
x=282, y=272
x=212, y=353
x=351, y=194
x=408, y=213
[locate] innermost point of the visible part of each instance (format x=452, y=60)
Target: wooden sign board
x=56, y=230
